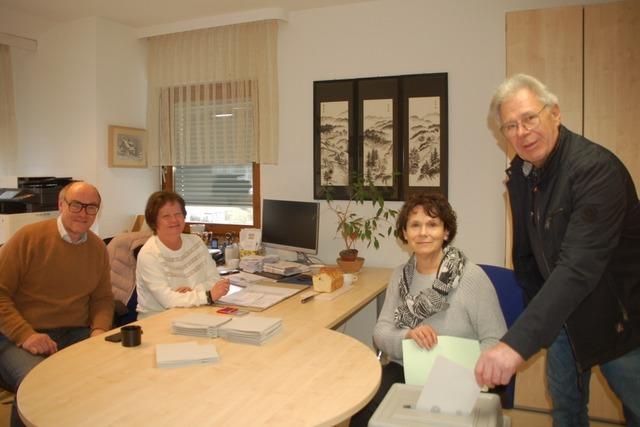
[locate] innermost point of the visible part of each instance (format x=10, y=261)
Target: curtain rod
x=19, y=42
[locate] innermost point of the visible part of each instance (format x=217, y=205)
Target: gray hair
x=512, y=85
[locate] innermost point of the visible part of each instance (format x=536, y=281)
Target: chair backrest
x=123, y=250
x=512, y=303
x=508, y=290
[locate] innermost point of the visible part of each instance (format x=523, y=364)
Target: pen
x=307, y=298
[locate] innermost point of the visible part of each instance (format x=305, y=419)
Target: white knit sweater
x=161, y=270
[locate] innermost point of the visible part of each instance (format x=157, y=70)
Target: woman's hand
x=219, y=289
x=424, y=335
x=183, y=289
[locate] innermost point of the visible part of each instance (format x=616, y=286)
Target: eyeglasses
x=76, y=207
x=527, y=121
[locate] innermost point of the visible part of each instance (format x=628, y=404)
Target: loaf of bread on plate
x=327, y=280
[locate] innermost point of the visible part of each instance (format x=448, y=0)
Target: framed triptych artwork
x=390, y=131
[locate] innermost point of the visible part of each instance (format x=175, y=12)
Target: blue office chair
x=512, y=303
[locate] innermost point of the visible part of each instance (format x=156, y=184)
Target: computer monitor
x=290, y=225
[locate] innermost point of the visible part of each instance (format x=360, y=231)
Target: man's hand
x=497, y=365
x=219, y=289
x=97, y=331
x=40, y=344
x=424, y=335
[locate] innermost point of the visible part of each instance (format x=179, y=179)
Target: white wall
x=391, y=37
x=121, y=87
x=56, y=103
x=85, y=75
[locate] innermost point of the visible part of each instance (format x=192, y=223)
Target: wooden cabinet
x=590, y=57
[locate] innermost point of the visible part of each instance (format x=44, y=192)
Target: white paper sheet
x=450, y=389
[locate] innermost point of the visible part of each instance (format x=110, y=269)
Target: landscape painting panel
x=424, y=142
x=334, y=143
x=378, y=141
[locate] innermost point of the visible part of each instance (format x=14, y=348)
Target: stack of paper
x=245, y=279
x=251, y=329
x=258, y=296
x=254, y=263
x=198, y=325
x=285, y=268
x=182, y=354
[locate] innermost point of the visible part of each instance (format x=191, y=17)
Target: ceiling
x=144, y=13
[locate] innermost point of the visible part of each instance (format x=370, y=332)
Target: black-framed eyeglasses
x=527, y=121
x=76, y=207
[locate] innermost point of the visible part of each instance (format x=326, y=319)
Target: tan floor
x=524, y=418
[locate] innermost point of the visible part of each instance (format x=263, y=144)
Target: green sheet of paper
x=418, y=362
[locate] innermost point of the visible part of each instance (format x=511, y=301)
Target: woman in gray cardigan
x=437, y=292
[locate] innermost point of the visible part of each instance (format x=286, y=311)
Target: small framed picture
x=127, y=147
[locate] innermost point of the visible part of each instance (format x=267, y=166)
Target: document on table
x=245, y=279
x=258, y=296
x=182, y=354
x=329, y=296
x=418, y=362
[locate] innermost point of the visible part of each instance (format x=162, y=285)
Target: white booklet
x=198, y=324
x=186, y=353
x=251, y=329
x=258, y=296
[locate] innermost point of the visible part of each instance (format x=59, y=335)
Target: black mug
x=131, y=335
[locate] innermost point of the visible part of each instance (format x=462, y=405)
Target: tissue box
x=327, y=280
x=398, y=408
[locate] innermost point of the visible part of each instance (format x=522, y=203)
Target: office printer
x=33, y=194
x=32, y=200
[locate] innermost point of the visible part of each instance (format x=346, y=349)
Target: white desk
x=307, y=375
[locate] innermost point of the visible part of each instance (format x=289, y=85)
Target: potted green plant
x=352, y=227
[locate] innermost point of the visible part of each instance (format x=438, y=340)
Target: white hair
x=512, y=85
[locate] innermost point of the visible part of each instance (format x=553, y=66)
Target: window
x=226, y=198
x=215, y=129
x=216, y=194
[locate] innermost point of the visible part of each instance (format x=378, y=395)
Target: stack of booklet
x=285, y=268
x=254, y=263
x=198, y=325
x=186, y=353
x=251, y=329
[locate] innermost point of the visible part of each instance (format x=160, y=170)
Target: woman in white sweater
x=437, y=292
x=174, y=269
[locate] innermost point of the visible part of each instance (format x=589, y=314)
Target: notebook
x=183, y=354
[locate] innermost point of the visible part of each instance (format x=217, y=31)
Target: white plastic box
x=398, y=408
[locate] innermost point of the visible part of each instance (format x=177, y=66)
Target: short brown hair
x=156, y=201
x=434, y=204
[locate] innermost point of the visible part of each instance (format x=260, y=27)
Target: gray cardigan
x=474, y=312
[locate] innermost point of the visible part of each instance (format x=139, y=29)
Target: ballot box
x=398, y=408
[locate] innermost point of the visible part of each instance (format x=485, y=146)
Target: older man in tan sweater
x=54, y=286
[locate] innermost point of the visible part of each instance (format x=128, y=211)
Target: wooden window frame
x=222, y=229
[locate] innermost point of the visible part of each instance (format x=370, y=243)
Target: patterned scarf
x=414, y=309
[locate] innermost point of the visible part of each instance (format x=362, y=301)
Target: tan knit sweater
x=46, y=282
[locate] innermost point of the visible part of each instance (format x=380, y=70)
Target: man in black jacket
x=576, y=253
